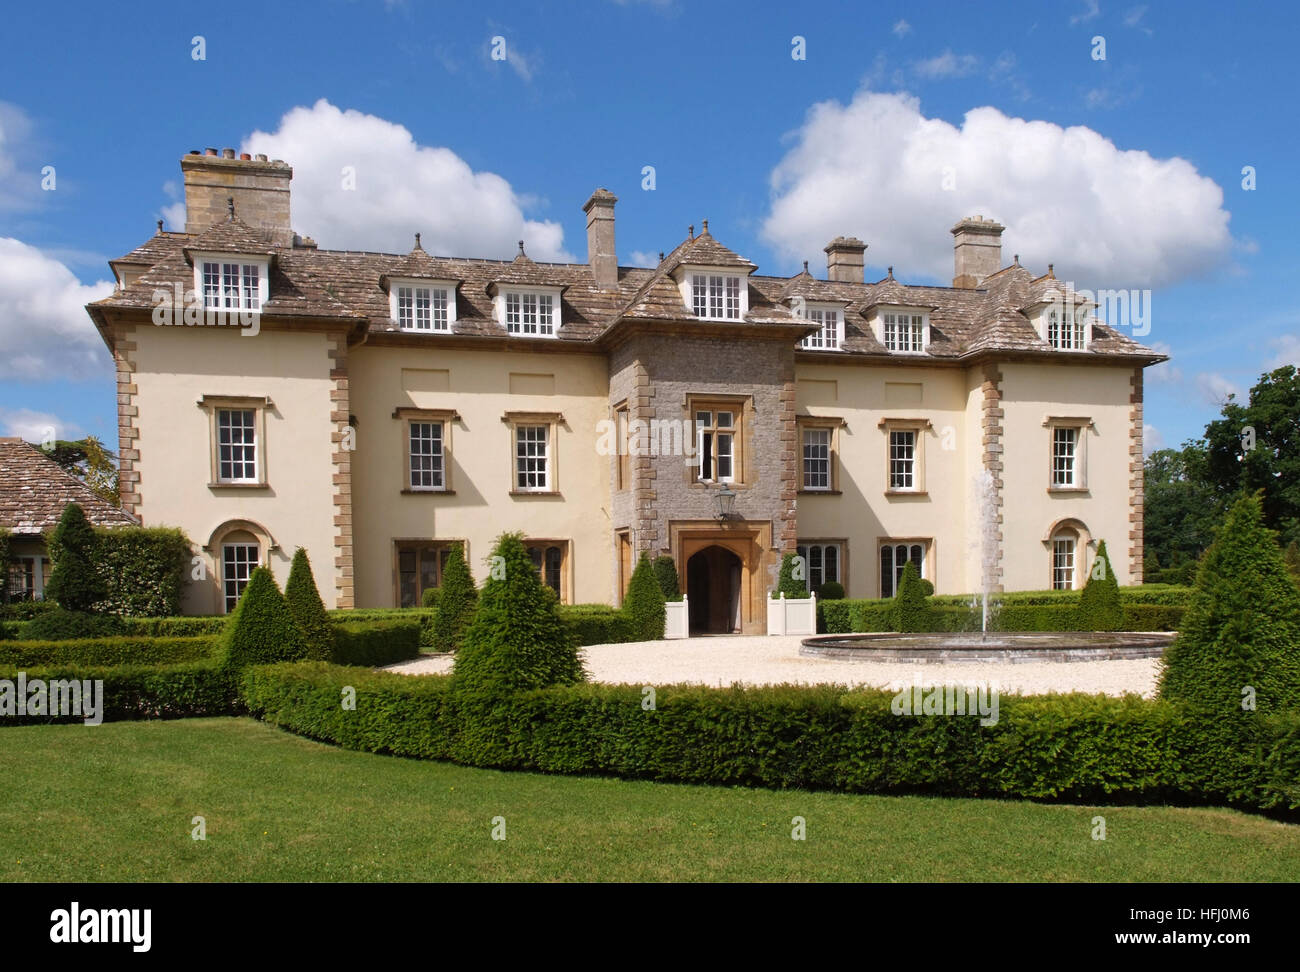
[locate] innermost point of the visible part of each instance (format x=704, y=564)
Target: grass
x=115, y=803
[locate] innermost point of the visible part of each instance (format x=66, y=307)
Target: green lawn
x=114, y=803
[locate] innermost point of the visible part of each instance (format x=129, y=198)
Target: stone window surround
x=921, y=426
x=742, y=408
x=842, y=543
x=449, y=286
x=1083, y=543
x=928, y=560
x=441, y=543
x=260, y=405
x=835, y=424
x=443, y=416
x=1084, y=425
x=566, y=563
x=553, y=421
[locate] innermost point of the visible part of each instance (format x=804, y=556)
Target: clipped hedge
x=426, y=616
x=188, y=690
x=1064, y=747
x=175, y=627
x=597, y=624
x=106, y=651
x=375, y=642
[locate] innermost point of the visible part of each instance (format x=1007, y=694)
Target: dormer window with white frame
x=229, y=281
x=830, y=323
x=715, y=294
x=423, y=305
x=1065, y=326
x=529, y=313
x=903, y=330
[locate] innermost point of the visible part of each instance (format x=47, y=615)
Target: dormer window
x=1067, y=327
x=231, y=282
x=716, y=296
x=529, y=313
x=902, y=330
x=829, y=335
x=422, y=305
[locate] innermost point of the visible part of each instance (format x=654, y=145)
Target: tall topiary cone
x=666, y=575
x=261, y=629
x=74, y=582
x=1099, y=607
x=793, y=579
x=457, y=603
x=644, y=604
x=308, y=609
x=910, y=612
x=517, y=640
x=1242, y=627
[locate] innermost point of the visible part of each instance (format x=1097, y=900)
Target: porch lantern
x=726, y=502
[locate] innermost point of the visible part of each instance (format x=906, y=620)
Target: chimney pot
x=227, y=153
x=260, y=157
x=845, y=257
x=602, y=256
x=976, y=251
x=245, y=157
x=209, y=151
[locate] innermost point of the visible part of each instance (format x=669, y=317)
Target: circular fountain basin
x=1000, y=646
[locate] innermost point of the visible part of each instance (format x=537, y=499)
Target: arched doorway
x=713, y=586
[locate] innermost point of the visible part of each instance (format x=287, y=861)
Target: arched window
x=240, y=554
x=548, y=559
x=1065, y=559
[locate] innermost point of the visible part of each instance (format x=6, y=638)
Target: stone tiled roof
x=34, y=489
x=349, y=286
x=232, y=236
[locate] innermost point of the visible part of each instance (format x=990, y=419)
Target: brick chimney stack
x=260, y=190
x=976, y=251
x=600, y=238
x=845, y=258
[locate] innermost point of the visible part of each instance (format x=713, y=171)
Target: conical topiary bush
x=75, y=583
x=644, y=604
x=307, y=608
x=261, y=629
x=910, y=610
x=1099, y=607
x=517, y=640
x=456, y=604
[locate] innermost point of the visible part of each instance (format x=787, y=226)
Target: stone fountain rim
x=1065, y=646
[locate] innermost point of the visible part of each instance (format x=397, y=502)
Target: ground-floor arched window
x=240, y=554
x=1065, y=556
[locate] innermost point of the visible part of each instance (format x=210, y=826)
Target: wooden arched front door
x=713, y=585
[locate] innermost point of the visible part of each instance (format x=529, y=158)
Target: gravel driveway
x=771, y=660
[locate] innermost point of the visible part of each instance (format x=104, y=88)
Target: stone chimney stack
x=600, y=238
x=260, y=190
x=845, y=259
x=976, y=251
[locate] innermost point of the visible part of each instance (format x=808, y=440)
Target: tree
x=1179, y=510
x=793, y=579
x=307, y=608
x=666, y=574
x=456, y=604
x=517, y=640
x=1256, y=447
x=261, y=630
x=89, y=461
x=75, y=582
x=644, y=604
x=1240, y=637
x=910, y=610
x=1099, y=607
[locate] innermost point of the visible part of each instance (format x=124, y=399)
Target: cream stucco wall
x=865, y=513
x=478, y=385
x=175, y=368
x=1031, y=393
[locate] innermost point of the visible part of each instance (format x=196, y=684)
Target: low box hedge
x=178, y=627
x=426, y=617
x=106, y=651
x=132, y=692
x=1063, y=747
x=375, y=643
x=597, y=624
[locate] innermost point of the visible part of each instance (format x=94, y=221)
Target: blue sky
x=711, y=97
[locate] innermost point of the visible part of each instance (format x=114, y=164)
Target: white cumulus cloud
x=877, y=167
x=1288, y=352
x=1214, y=388
x=45, y=332
x=33, y=426
x=1152, y=440
x=401, y=188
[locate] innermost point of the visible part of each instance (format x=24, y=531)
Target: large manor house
x=383, y=407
